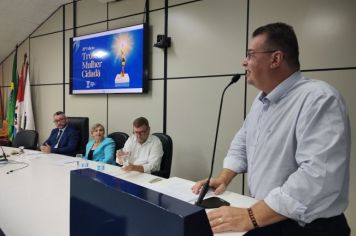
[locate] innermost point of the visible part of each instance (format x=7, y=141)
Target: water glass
x=125, y=159
x=79, y=155
x=83, y=164
x=100, y=167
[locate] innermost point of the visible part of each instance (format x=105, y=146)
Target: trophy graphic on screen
x=122, y=46
x=123, y=62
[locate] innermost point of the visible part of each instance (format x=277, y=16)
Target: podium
x=104, y=205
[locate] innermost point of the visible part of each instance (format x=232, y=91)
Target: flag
x=1, y=110
x=27, y=121
x=19, y=98
x=10, y=114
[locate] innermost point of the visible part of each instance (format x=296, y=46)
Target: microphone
x=3, y=159
x=215, y=202
x=20, y=168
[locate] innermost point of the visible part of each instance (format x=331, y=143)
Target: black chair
x=2, y=233
x=166, y=163
x=26, y=138
x=82, y=125
x=119, y=138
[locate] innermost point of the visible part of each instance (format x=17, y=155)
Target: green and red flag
x=10, y=114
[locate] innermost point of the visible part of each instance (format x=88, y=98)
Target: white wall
x=208, y=39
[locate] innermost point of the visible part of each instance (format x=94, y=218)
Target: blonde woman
x=100, y=148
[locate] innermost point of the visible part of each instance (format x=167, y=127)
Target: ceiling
x=19, y=18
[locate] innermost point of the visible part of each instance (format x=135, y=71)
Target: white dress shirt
x=295, y=147
x=148, y=154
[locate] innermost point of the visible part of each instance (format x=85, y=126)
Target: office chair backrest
x=82, y=125
x=2, y=233
x=119, y=138
x=166, y=162
x=26, y=138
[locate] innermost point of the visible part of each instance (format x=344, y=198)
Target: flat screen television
x=110, y=62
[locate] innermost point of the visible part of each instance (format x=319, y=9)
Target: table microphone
x=4, y=159
x=214, y=202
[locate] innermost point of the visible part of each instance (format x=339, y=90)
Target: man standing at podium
x=294, y=146
x=63, y=139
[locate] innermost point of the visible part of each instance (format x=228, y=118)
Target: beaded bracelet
x=252, y=217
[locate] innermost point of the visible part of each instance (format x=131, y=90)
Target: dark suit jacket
x=68, y=143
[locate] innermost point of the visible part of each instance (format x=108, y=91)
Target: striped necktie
x=59, y=136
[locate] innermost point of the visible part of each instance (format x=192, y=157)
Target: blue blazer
x=104, y=152
x=68, y=143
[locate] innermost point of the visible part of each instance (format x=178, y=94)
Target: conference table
x=35, y=191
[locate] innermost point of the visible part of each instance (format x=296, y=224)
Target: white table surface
x=34, y=201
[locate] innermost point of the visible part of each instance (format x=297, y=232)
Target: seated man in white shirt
x=144, y=150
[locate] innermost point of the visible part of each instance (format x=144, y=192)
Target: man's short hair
x=140, y=122
x=57, y=113
x=281, y=36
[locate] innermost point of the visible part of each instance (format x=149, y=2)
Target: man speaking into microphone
x=294, y=146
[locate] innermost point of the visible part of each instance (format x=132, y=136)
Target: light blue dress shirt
x=295, y=147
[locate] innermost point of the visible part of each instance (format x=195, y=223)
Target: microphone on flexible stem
x=214, y=202
x=4, y=159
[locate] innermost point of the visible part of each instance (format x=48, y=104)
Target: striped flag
x=10, y=114
x=27, y=121
x=20, y=98
x=1, y=110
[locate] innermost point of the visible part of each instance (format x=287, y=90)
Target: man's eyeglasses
x=58, y=120
x=140, y=132
x=249, y=54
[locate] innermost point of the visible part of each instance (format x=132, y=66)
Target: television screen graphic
x=109, y=62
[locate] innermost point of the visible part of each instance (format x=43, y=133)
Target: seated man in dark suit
x=63, y=139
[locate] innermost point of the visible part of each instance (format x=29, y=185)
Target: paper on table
x=65, y=162
x=28, y=156
x=178, y=188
